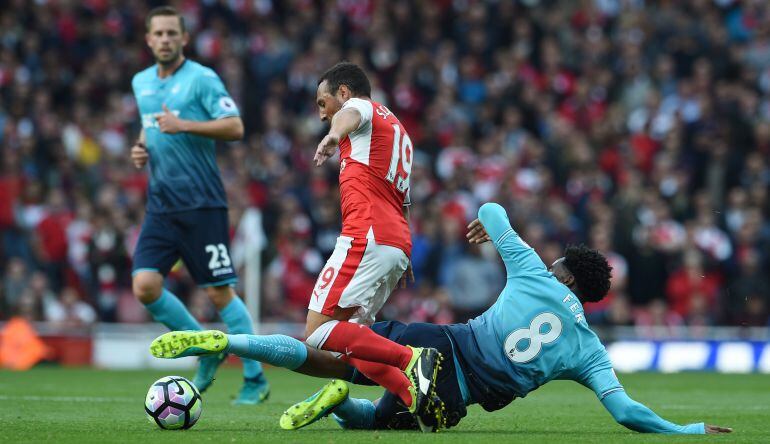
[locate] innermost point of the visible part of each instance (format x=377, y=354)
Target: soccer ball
x=173, y=403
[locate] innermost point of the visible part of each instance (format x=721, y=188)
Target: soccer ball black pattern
x=173, y=403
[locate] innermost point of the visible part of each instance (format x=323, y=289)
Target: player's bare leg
x=167, y=309
x=179, y=344
x=315, y=319
x=220, y=296
x=164, y=306
x=410, y=373
x=238, y=320
x=276, y=350
x=147, y=286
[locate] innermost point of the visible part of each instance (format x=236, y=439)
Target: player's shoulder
x=145, y=75
x=362, y=105
x=195, y=69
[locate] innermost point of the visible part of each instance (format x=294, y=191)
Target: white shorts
x=360, y=274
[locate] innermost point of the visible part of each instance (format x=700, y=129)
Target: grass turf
x=82, y=405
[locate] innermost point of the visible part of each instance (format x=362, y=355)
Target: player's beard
x=170, y=59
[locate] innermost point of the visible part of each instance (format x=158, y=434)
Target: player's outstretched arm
x=640, y=418
x=344, y=122
x=495, y=221
x=493, y=224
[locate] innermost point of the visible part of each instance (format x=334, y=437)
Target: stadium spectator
x=69, y=311
x=642, y=128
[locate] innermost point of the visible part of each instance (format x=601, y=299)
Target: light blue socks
x=239, y=322
x=172, y=313
x=278, y=350
x=355, y=413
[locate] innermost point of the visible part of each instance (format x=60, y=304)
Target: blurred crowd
x=641, y=128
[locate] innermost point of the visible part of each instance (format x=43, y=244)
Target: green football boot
x=179, y=344
x=315, y=407
x=422, y=371
x=208, y=344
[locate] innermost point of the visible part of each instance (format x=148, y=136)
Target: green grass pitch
x=57, y=405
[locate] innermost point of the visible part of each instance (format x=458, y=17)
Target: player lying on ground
x=534, y=333
x=184, y=108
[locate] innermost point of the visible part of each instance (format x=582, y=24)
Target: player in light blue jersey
x=534, y=333
x=184, y=109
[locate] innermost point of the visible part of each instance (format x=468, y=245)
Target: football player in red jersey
x=372, y=252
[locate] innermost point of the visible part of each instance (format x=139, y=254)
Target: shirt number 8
x=536, y=339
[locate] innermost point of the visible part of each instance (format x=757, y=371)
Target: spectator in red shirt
x=51, y=239
x=689, y=280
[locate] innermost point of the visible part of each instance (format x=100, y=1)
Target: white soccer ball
x=173, y=403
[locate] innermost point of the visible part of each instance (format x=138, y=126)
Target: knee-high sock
x=361, y=342
x=389, y=377
x=278, y=350
x=171, y=312
x=355, y=413
x=238, y=321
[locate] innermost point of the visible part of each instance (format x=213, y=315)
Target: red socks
x=390, y=378
x=360, y=342
x=378, y=358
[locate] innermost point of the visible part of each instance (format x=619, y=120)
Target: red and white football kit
x=373, y=249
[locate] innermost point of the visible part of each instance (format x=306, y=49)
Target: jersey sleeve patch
x=227, y=105
x=214, y=97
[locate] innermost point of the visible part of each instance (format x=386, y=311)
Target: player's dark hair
x=349, y=74
x=591, y=271
x=164, y=11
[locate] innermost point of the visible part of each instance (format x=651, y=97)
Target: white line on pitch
x=66, y=398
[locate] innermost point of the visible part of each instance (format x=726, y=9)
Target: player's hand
x=408, y=276
x=169, y=123
x=139, y=155
x=326, y=149
x=476, y=233
x=717, y=429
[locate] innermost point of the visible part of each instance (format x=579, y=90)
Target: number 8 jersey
x=375, y=163
x=536, y=330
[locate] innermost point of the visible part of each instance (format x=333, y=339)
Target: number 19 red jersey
x=375, y=163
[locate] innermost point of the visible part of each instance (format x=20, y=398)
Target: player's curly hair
x=349, y=74
x=591, y=270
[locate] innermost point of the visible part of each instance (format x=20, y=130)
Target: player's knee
x=317, y=336
x=147, y=287
x=220, y=296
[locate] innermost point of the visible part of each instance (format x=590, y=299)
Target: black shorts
x=390, y=413
x=199, y=237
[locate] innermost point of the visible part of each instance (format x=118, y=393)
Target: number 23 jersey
x=536, y=330
x=375, y=164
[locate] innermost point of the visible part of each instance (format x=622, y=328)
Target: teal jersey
x=536, y=330
x=183, y=170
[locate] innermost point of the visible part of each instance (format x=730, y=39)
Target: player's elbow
x=622, y=417
x=627, y=417
x=234, y=129
x=237, y=129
